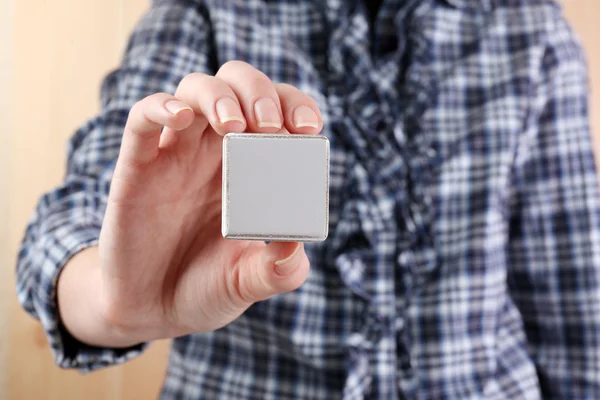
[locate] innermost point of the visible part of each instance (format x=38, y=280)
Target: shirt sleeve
x=554, y=252
x=169, y=42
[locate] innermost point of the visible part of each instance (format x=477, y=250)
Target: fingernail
x=288, y=264
x=267, y=114
x=228, y=110
x=305, y=117
x=176, y=106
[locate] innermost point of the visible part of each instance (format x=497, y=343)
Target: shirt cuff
x=69, y=352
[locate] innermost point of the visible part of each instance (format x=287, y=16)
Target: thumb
x=279, y=267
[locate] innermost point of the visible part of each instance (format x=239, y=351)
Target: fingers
x=241, y=98
x=256, y=94
x=300, y=112
x=280, y=267
x=146, y=120
x=238, y=99
x=215, y=100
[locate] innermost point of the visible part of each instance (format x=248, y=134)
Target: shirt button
x=399, y=324
x=414, y=362
x=406, y=258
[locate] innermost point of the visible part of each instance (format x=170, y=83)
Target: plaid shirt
x=463, y=260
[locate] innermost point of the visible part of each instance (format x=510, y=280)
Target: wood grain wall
x=6, y=65
x=52, y=57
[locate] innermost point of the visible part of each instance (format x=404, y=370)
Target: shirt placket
x=359, y=121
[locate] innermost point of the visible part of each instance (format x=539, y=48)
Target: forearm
x=52, y=268
x=81, y=303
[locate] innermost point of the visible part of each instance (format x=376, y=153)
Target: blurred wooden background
x=52, y=57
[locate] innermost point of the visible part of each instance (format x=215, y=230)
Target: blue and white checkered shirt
x=464, y=253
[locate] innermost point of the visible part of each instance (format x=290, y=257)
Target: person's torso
x=407, y=298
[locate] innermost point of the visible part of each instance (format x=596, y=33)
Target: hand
x=162, y=268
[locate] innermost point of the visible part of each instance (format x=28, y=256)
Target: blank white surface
x=275, y=187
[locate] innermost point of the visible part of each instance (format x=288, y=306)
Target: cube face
x=275, y=187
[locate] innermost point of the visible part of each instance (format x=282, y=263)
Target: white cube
x=275, y=187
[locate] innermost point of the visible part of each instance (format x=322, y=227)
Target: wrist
x=82, y=303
